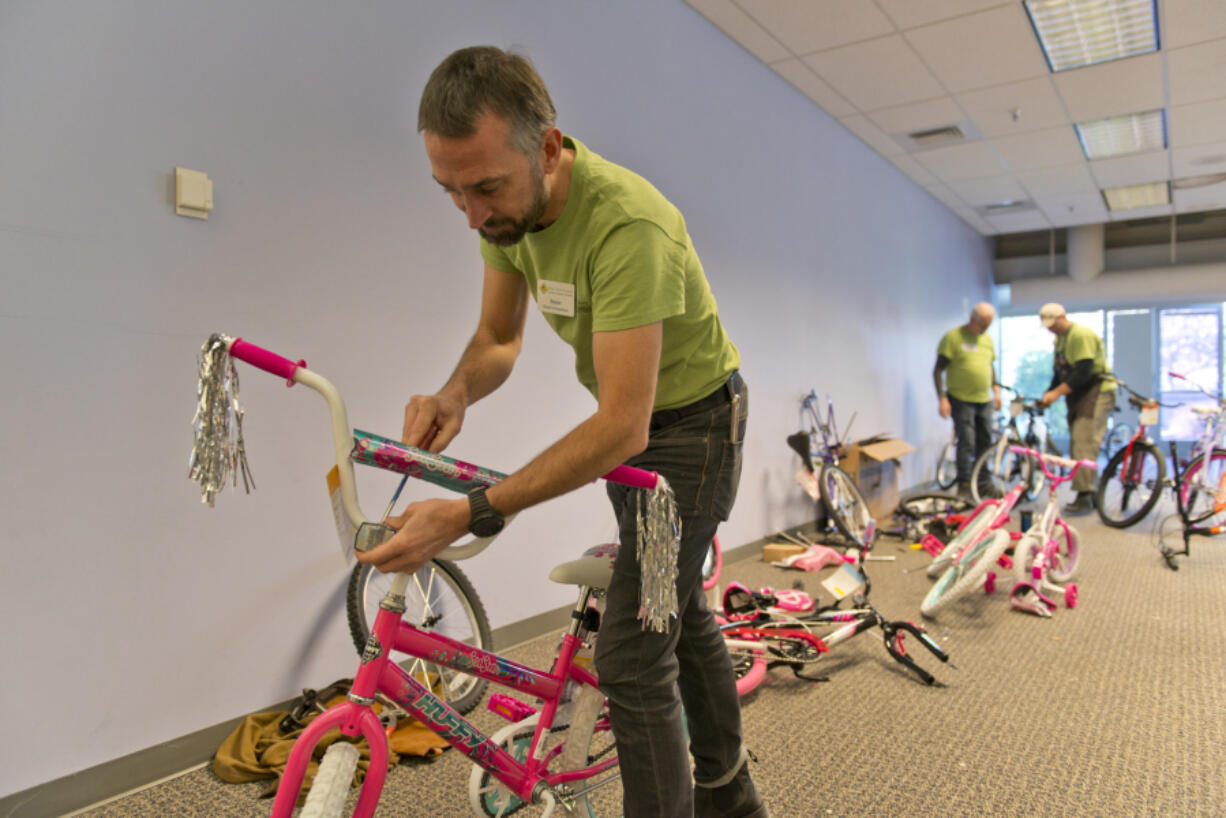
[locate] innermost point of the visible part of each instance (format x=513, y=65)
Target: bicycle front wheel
x=1201, y=480
x=847, y=506
x=1130, y=485
x=440, y=599
x=970, y=529
x=966, y=574
x=996, y=470
x=947, y=467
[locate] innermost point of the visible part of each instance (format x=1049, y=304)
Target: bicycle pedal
x=510, y=708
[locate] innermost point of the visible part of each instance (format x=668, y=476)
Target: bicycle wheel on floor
x=843, y=500
x=439, y=598
x=1067, y=556
x=967, y=573
x=971, y=528
x=1130, y=485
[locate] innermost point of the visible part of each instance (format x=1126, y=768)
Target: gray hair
x=480, y=79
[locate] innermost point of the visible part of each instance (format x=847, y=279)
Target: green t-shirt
x=1080, y=343
x=969, y=375
x=619, y=257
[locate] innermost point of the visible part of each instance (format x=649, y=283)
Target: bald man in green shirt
x=1079, y=364
x=970, y=393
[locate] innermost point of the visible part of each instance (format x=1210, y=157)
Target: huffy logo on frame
x=373, y=649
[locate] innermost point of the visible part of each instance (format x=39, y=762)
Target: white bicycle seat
x=594, y=568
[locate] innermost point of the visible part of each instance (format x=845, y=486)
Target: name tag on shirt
x=970, y=347
x=556, y=297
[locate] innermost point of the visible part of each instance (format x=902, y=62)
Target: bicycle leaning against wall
x=820, y=448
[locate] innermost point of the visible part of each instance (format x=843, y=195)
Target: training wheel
x=1070, y=595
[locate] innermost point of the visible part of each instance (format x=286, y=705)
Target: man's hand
x=1050, y=397
x=423, y=530
x=945, y=409
x=996, y=404
x=432, y=421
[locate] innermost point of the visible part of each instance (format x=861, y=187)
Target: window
x=1190, y=344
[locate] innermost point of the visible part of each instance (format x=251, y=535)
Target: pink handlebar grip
x=261, y=358
x=635, y=478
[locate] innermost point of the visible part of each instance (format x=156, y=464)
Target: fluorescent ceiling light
x=1120, y=135
x=1074, y=33
x=1134, y=196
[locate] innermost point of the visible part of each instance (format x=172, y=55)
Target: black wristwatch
x=484, y=522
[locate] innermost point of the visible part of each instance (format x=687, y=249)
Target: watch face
x=486, y=526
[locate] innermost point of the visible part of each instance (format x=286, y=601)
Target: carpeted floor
x=1117, y=707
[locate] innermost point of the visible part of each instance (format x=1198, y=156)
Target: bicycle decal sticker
x=373, y=649
x=455, y=729
x=374, y=450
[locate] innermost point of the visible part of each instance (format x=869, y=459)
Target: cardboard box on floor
x=873, y=464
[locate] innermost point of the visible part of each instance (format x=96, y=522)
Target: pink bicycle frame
x=378, y=673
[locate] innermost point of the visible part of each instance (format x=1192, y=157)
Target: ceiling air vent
x=936, y=136
x=953, y=133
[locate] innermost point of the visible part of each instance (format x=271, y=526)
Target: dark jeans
x=973, y=429
x=646, y=675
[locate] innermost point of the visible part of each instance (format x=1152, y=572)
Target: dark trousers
x=973, y=429
x=647, y=675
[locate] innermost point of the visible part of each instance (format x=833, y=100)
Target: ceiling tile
x=1019, y=222
x=876, y=74
x=991, y=109
x=1197, y=123
x=1065, y=209
x=917, y=116
x=968, y=161
x=992, y=190
x=1200, y=160
x=909, y=14
x=1197, y=73
x=915, y=170
x=1125, y=86
x=740, y=27
x=1212, y=197
x=1140, y=213
x=871, y=135
x=1040, y=149
x=1065, y=179
x=813, y=87
x=945, y=196
x=1131, y=170
x=981, y=50
x=816, y=25
x=973, y=219
x=1192, y=21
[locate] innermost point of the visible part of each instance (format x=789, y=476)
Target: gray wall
x=133, y=614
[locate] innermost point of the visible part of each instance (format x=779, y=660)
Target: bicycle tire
x=1217, y=464
x=844, y=502
x=947, y=467
x=1023, y=557
x=960, y=578
x=1144, y=481
x=933, y=504
x=972, y=527
x=1063, y=565
x=1000, y=475
x=332, y=783
x=748, y=666
x=585, y=736
x=439, y=598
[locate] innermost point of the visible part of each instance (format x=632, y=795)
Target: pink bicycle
x=560, y=753
x=1045, y=557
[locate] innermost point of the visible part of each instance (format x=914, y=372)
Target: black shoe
x=736, y=799
x=1084, y=504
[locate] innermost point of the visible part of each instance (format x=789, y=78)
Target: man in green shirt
x=970, y=393
x=1079, y=363
x=610, y=265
